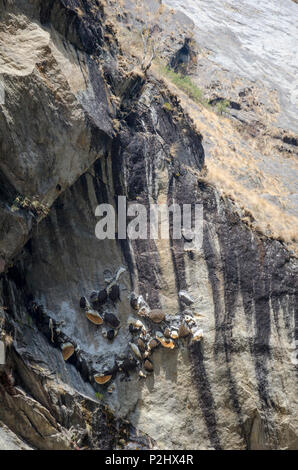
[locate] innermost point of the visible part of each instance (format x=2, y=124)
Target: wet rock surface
x=195, y=348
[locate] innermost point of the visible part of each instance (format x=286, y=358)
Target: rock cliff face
x=79, y=127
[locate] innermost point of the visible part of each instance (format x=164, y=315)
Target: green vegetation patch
x=185, y=84
x=222, y=106
x=99, y=396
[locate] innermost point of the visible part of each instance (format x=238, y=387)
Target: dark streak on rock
x=176, y=246
x=204, y=393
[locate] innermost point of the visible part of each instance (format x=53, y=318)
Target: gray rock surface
x=254, y=40
x=9, y=441
x=80, y=127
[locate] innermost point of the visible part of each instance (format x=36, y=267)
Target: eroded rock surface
x=79, y=128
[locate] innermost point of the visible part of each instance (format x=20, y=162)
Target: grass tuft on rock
x=185, y=84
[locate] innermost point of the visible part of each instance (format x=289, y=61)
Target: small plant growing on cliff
x=185, y=84
x=32, y=205
x=222, y=106
x=167, y=106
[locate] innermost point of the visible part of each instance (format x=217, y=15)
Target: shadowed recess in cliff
x=100, y=188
